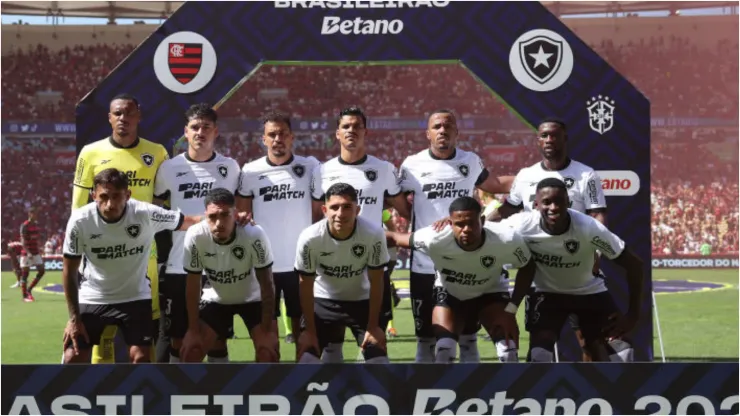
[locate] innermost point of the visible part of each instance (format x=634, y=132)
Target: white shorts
x=31, y=261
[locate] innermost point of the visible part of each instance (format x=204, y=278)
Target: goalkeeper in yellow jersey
x=140, y=159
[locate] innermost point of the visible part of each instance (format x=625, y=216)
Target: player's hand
x=506, y=323
x=596, y=269
x=74, y=329
x=619, y=324
x=190, y=344
x=439, y=225
x=374, y=336
x=266, y=341
x=307, y=342
x=244, y=218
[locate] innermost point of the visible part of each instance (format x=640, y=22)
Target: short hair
x=111, y=176
x=341, y=189
x=555, y=120
x=442, y=111
x=551, y=183
x=126, y=97
x=352, y=111
x=220, y=196
x=201, y=110
x=276, y=117
x=465, y=203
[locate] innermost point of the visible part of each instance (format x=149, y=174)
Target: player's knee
x=374, y=354
x=506, y=351
x=445, y=351
x=40, y=273
x=267, y=355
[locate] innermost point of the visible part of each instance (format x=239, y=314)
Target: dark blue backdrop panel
x=480, y=34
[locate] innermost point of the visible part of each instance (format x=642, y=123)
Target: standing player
x=238, y=264
x=340, y=262
x=469, y=285
x=375, y=180
x=15, y=248
x=31, y=254
x=584, y=187
x=139, y=159
x=115, y=234
x=276, y=189
x=437, y=176
x=186, y=180
x=563, y=243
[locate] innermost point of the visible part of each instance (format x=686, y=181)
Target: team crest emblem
x=487, y=261
x=569, y=182
x=223, y=171
x=464, y=170
x=358, y=250
x=371, y=175
x=541, y=57
x=299, y=170
x=184, y=60
x=600, y=114
x=147, y=159
x=238, y=252
x=133, y=230
x=571, y=246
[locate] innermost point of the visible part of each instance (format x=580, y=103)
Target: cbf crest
x=238, y=252
x=299, y=170
x=571, y=246
x=487, y=261
x=600, y=114
x=371, y=175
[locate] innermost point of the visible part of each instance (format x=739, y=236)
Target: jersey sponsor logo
x=359, y=250
x=541, y=60
x=194, y=260
x=600, y=113
x=195, y=189
x=619, y=182
x=365, y=200
x=166, y=217
x=226, y=276
x=133, y=230
x=460, y=278
x=603, y=245
x=259, y=248
x=80, y=173
x=299, y=170
x=569, y=182
x=593, y=197
x=74, y=245
x=419, y=245
x=280, y=192
x=519, y=254
x=554, y=261
x=207, y=254
x=238, y=252
x=306, y=257
x=371, y=175
x=105, y=161
x=181, y=174
x=94, y=236
x=147, y=158
x=375, y=259
x=223, y=171
x=332, y=25
x=133, y=180
x=463, y=169
x=325, y=253
x=116, y=252
x=444, y=190
x=571, y=246
x=487, y=261
x=341, y=272
x=185, y=62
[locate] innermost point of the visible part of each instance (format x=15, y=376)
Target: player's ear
x=358, y=209
x=128, y=194
x=323, y=208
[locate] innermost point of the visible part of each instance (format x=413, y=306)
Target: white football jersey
x=374, y=180
x=187, y=182
x=340, y=266
x=565, y=262
x=229, y=266
x=469, y=274
x=583, y=183
x=116, y=255
x=435, y=184
x=281, y=202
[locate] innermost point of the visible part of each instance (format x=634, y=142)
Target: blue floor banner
x=568, y=388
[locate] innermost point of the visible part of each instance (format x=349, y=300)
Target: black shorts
x=421, y=287
x=287, y=284
x=573, y=318
x=220, y=317
x=549, y=311
x=468, y=311
x=386, y=310
x=172, y=290
x=133, y=319
x=333, y=316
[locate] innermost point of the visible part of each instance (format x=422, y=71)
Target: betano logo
x=333, y=25
x=619, y=182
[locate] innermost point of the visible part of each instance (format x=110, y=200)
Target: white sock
x=378, y=360
x=469, y=349
x=506, y=352
x=333, y=354
x=218, y=360
x=624, y=351
x=445, y=351
x=308, y=358
x=541, y=355
x=425, y=350
x=174, y=359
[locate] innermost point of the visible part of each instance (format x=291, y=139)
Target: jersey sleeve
x=317, y=192
x=479, y=170
x=245, y=181
x=161, y=219
x=393, y=186
x=422, y=240
x=608, y=243
x=379, y=256
x=520, y=254
x=594, y=192
x=405, y=179
x=261, y=249
x=161, y=182
x=515, y=194
x=305, y=258
x=73, y=246
x=83, y=180
x=191, y=256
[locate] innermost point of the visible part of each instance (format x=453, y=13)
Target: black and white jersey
x=374, y=180
x=340, y=266
x=436, y=183
x=281, y=202
x=565, y=262
x=469, y=274
x=187, y=182
x=230, y=266
x=114, y=269
x=583, y=183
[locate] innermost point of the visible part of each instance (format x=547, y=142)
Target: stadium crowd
x=694, y=191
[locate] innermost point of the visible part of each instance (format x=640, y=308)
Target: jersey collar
x=567, y=163
x=483, y=242
x=452, y=156
x=359, y=162
x=229, y=241
x=288, y=162
x=112, y=222
x=210, y=159
x=115, y=144
x=341, y=239
x=570, y=224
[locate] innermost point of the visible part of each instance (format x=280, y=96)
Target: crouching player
x=238, y=264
